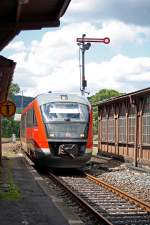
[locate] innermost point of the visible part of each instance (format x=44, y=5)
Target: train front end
x=68, y=125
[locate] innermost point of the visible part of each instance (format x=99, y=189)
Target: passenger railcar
x=56, y=130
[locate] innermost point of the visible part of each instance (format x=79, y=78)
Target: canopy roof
x=17, y=15
x=7, y=67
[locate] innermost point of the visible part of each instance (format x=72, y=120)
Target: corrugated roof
x=121, y=97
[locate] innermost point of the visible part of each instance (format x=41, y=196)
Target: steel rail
x=82, y=202
x=122, y=194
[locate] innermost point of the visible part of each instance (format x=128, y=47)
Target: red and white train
x=56, y=130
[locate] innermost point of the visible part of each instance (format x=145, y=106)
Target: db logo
x=68, y=135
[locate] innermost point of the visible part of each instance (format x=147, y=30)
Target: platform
x=28, y=204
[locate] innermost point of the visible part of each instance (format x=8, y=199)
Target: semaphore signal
x=85, y=44
x=105, y=40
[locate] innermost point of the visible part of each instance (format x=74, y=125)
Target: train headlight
x=82, y=135
x=52, y=135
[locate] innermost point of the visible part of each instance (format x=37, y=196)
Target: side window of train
x=30, y=118
x=34, y=119
x=23, y=126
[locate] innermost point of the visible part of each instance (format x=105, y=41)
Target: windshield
x=62, y=111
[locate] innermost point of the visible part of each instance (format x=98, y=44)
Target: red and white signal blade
x=105, y=40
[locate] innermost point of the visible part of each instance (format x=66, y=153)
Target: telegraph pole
x=85, y=44
x=84, y=83
x=21, y=101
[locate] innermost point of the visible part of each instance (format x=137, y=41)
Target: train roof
x=58, y=97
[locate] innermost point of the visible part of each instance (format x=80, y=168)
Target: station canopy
x=18, y=15
x=7, y=67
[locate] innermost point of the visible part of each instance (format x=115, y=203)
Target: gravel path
x=136, y=183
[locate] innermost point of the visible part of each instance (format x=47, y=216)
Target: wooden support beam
x=7, y=67
x=18, y=11
x=28, y=25
x=136, y=138
x=9, y=36
x=63, y=8
x=0, y=142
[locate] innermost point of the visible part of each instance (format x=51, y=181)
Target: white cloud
x=20, y=58
x=121, y=72
x=121, y=33
x=16, y=46
x=96, y=11
x=52, y=63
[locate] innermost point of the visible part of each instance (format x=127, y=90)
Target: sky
x=48, y=59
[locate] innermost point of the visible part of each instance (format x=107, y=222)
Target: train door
x=35, y=130
x=23, y=132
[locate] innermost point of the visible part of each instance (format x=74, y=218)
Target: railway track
x=107, y=204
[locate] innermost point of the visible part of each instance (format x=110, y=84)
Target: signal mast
x=84, y=45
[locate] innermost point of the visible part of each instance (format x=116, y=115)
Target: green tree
x=13, y=90
x=100, y=96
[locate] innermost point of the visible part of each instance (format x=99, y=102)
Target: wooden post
x=107, y=129
x=136, y=139
x=0, y=143
x=127, y=133
x=117, y=134
x=99, y=131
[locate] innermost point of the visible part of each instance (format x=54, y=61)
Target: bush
x=9, y=126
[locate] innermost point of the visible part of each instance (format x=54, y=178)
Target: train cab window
x=62, y=111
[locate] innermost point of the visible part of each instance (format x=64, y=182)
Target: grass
x=13, y=192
